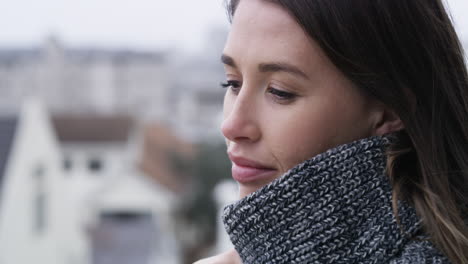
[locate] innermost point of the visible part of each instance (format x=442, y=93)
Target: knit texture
x=333, y=208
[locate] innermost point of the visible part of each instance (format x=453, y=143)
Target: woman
x=347, y=126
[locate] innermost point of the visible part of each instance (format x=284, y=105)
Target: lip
x=245, y=170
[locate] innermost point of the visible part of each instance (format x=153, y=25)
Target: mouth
x=247, y=171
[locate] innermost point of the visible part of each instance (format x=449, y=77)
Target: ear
x=387, y=121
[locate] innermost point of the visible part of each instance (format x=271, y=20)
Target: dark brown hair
x=407, y=55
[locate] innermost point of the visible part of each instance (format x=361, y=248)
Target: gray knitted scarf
x=333, y=208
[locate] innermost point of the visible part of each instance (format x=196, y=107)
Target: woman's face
x=285, y=101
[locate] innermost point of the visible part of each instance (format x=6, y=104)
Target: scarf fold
x=333, y=208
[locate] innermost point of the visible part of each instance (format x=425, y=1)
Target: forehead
x=263, y=30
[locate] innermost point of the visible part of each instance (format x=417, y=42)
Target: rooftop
x=92, y=129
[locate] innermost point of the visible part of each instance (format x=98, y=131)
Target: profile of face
x=285, y=101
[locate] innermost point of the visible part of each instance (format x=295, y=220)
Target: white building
x=36, y=224
x=152, y=86
x=199, y=114
x=131, y=223
x=127, y=216
x=72, y=194
x=198, y=104
x=85, y=79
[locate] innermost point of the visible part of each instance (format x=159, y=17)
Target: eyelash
x=282, y=95
x=279, y=94
x=231, y=84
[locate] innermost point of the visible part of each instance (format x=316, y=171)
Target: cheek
x=314, y=128
x=299, y=141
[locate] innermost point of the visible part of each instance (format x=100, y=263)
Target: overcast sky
x=148, y=24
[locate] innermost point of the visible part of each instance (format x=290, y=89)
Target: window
x=67, y=164
x=95, y=164
x=39, y=199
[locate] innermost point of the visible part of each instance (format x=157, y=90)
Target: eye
x=282, y=95
x=233, y=85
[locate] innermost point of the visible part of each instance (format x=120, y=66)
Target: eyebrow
x=228, y=61
x=269, y=67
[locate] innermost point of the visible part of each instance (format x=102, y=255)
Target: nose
x=240, y=119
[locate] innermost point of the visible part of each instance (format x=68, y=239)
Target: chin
x=246, y=190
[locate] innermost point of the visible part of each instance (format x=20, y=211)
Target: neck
x=333, y=208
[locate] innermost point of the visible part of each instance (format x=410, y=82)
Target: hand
x=228, y=257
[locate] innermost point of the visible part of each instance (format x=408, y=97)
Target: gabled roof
x=7, y=133
x=92, y=129
x=164, y=156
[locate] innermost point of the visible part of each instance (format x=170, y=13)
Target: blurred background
x=110, y=150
